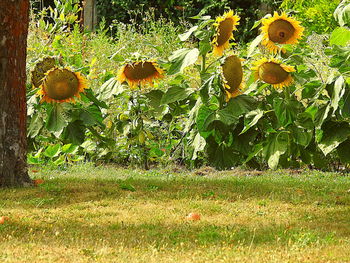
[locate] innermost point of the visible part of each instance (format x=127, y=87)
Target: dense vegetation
x=191, y=116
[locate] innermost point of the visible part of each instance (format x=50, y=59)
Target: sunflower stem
x=203, y=69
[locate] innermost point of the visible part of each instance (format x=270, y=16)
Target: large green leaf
x=275, y=146
x=186, y=35
x=333, y=135
x=91, y=116
x=56, y=121
x=52, y=150
x=338, y=92
x=301, y=136
x=340, y=36
x=251, y=118
x=344, y=152
x=198, y=145
x=181, y=59
x=155, y=97
x=205, y=116
x=342, y=13
x=175, y=93
x=109, y=88
x=75, y=132
x=223, y=157
x=35, y=126
x=286, y=111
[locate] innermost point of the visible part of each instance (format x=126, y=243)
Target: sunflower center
x=61, y=84
x=272, y=73
x=280, y=31
x=224, y=31
x=233, y=73
x=140, y=71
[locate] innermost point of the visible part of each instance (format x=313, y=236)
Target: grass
x=106, y=214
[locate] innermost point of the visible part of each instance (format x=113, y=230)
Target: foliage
x=189, y=117
x=316, y=15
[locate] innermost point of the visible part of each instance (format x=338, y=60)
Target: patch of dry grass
x=88, y=214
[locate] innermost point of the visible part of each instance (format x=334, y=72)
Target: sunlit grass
x=105, y=214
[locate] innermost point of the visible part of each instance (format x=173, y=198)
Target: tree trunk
x=90, y=14
x=14, y=19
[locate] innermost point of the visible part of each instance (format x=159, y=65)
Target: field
x=110, y=214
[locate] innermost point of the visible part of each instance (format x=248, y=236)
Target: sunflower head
x=224, y=27
x=273, y=72
x=280, y=29
x=141, y=72
x=62, y=85
x=43, y=66
x=232, y=73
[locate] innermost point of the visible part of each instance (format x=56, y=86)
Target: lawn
x=109, y=214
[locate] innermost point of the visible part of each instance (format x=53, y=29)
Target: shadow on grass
x=61, y=192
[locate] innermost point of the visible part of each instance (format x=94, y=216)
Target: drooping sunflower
x=224, y=25
x=141, y=72
x=280, y=29
x=273, y=72
x=62, y=85
x=43, y=66
x=232, y=73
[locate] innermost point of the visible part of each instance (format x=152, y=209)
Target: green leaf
x=340, y=36
x=75, y=132
x=338, y=92
x=346, y=107
x=321, y=115
x=175, y=93
x=35, y=126
x=155, y=97
x=286, y=111
x=344, y=151
x=342, y=13
x=56, y=121
x=251, y=118
x=69, y=148
x=333, y=136
x=276, y=145
x=254, y=44
x=223, y=157
x=301, y=136
x=99, y=102
x=181, y=59
x=52, y=150
x=198, y=145
x=91, y=116
x=204, y=117
x=109, y=88
x=186, y=35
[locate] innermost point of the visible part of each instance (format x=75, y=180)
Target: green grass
x=106, y=214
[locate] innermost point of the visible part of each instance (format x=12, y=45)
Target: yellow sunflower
x=232, y=73
x=280, y=29
x=141, y=72
x=273, y=72
x=62, y=85
x=43, y=66
x=225, y=25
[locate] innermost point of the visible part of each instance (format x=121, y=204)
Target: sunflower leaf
x=181, y=59
x=56, y=121
x=340, y=36
x=186, y=35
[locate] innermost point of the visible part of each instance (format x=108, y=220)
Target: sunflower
x=43, y=66
x=273, y=72
x=232, y=73
x=62, y=85
x=141, y=72
x=225, y=25
x=280, y=29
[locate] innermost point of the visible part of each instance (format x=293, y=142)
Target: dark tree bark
x=14, y=19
